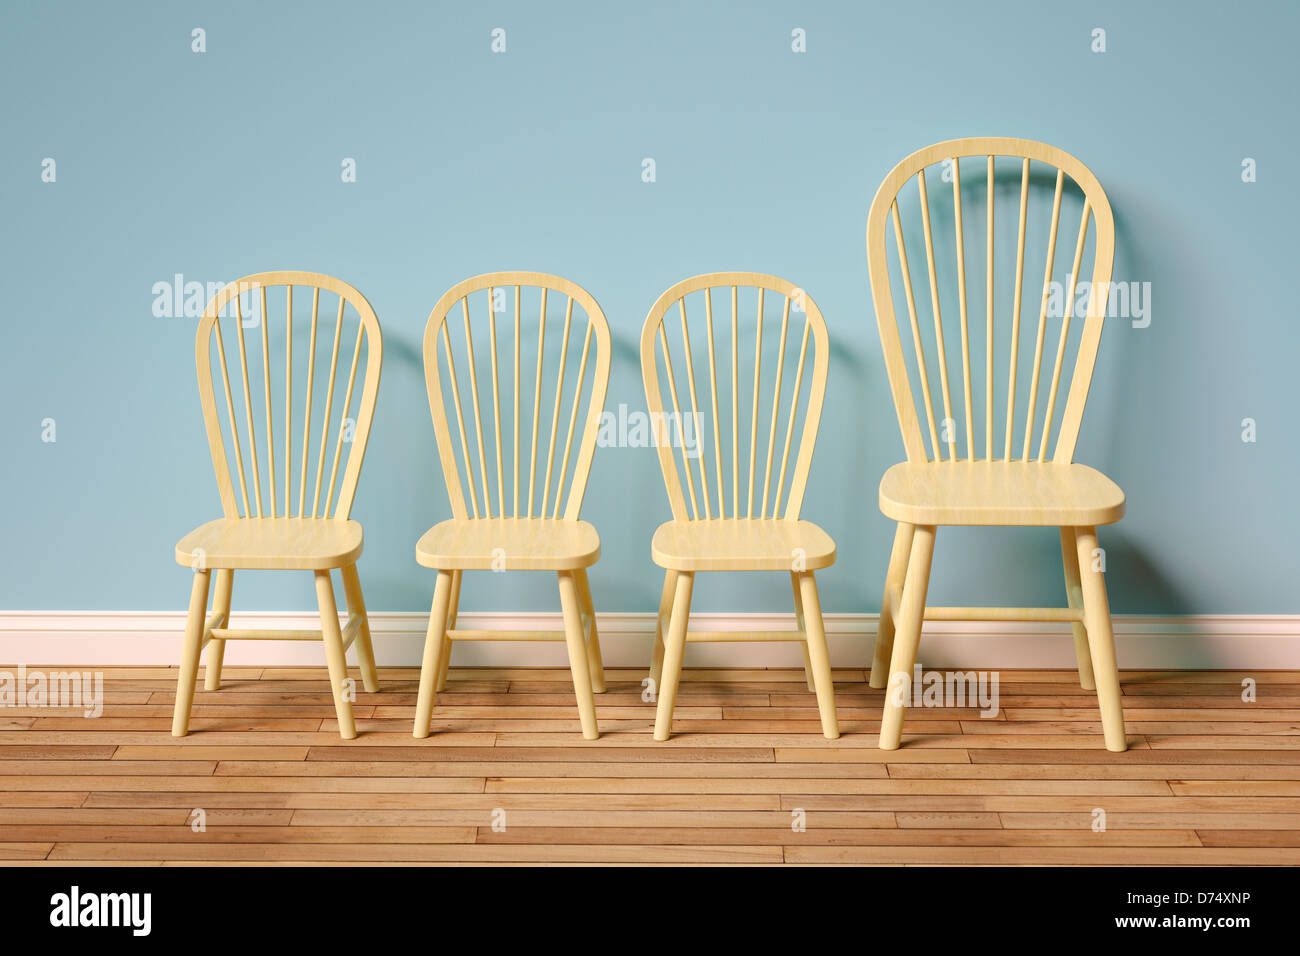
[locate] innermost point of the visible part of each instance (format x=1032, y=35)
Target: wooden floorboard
x=506, y=778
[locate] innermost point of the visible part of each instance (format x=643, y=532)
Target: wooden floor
x=1208, y=779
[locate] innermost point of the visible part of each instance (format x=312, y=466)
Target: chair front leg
x=911, y=614
x=220, y=610
x=335, y=656
x=888, y=604
x=576, y=640
x=453, y=606
x=365, y=650
x=194, y=627
x=435, y=644
x=1074, y=594
x=815, y=642
x=594, y=662
x=799, y=623
x=661, y=626
x=674, y=651
x=1101, y=641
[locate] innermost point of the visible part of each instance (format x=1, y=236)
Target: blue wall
x=227, y=163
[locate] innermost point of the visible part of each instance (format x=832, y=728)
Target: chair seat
x=1000, y=493
x=312, y=544
x=741, y=544
x=509, y=544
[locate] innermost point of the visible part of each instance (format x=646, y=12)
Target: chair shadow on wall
x=1136, y=574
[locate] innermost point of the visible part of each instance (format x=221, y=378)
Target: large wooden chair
x=490, y=529
x=1008, y=474
x=754, y=533
x=275, y=528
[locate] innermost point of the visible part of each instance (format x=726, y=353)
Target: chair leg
x=893, y=587
x=217, y=649
x=365, y=650
x=452, y=606
x=1074, y=594
x=594, y=662
x=911, y=614
x=661, y=623
x=575, y=638
x=194, y=626
x=815, y=644
x=799, y=623
x=335, y=656
x=434, y=651
x=674, y=650
x=1101, y=642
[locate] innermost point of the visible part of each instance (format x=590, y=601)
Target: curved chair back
x=765, y=396
x=307, y=366
x=984, y=395
x=460, y=372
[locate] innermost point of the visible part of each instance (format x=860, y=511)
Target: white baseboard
x=114, y=638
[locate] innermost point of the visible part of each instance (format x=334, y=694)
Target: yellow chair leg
x=365, y=650
x=577, y=643
x=1101, y=642
x=1074, y=594
x=661, y=623
x=907, y=636
x=434, y=652
x=453, y=606
x=893, y=586
x=594, y=662
x=335, y=656
x=799, y=623
x=194, y=626
x=216, y=648
x=674, y=651
x=815, y=644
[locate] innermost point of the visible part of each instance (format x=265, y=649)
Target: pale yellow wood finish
x=265, y=533
x=931, y=489
x=489, y=530
x=754, y=537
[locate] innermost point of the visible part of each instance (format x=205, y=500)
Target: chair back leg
x=818, y=654
x=1074, y=594
x=357, y=608
x=335, y=654
x=220, y=610
x=194, y=628
x=594, y=662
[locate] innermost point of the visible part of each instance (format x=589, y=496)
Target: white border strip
x=115, y=638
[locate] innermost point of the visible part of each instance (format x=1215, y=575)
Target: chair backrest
x=305, y=382
x=1067, y=177
x=767, y=310
x=536, y=357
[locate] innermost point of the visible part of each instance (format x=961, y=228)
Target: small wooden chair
x=269, y=532
x=993, y=485
x=494, y=531
x=702, y=537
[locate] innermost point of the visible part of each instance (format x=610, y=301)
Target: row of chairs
x=735, y=368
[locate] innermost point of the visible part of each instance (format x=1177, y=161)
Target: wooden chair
x=276, y=529
x=496, y=531
x=1004, y=482
x=703, y=535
